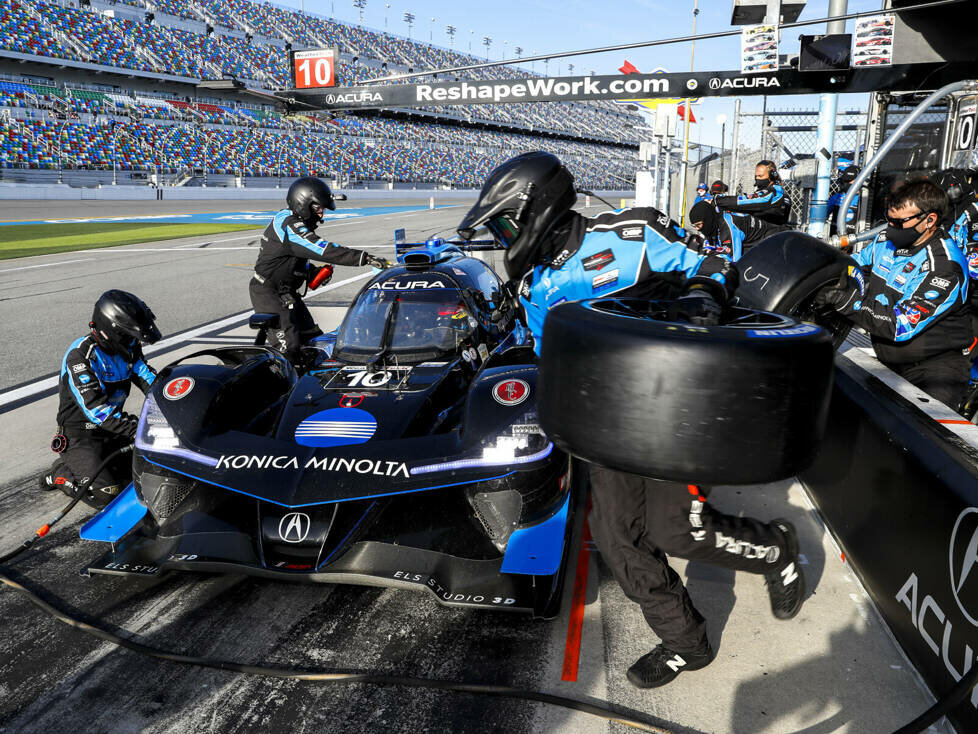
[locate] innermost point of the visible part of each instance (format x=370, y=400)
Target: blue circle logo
x=336, y=427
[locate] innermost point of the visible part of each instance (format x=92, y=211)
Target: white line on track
x=173, y=249
x=45, y=265
x=35, y=388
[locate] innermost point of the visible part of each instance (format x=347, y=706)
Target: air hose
x=600, y=709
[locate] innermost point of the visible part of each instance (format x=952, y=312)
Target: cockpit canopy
x=409, y=324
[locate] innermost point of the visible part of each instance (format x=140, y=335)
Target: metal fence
x=789, y=137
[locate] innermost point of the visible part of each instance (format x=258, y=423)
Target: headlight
x=154, y=433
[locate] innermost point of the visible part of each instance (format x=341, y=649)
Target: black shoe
x=662, y=665
x=786, y=586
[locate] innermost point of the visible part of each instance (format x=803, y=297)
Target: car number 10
x=369, y=379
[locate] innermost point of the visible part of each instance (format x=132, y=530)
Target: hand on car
x=377, y=262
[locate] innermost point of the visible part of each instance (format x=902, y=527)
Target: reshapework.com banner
x=632, y=86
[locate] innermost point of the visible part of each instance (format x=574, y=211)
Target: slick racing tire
x=784, y=272
x=744, y=402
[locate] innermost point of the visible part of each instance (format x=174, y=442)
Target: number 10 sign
x=314, y=68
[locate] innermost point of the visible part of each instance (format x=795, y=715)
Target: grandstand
x=146, y=113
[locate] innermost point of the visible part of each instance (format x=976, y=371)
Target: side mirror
x=263, y=321
x=339, y=197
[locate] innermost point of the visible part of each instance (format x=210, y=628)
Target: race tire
x=783, y=273
x=744, y=402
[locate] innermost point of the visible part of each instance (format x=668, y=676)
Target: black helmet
x=520, y=203
x=955, y=183
x=121, y=321
x=306, y=191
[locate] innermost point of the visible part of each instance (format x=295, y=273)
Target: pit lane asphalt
x=833, y=669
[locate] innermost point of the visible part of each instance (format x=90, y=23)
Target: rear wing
x=401, y=244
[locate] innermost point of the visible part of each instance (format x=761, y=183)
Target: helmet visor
x=505, y=229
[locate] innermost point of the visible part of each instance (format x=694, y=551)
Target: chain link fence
x=789, y=137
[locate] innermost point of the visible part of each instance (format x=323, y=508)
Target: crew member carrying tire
x=97, y=374
x=287, y=245
x=768, y=202
x=730, y=235
x=910, y=292
x=558, y=256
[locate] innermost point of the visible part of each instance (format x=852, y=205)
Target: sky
x=545, y=26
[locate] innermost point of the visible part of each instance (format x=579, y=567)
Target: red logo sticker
x=511, y=392
x=178, y=388
x=351, y=401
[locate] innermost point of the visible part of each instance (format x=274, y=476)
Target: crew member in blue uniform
x=702, y=192
x=768, y=202
x=840, y=188
x=287, y=245
x=911, y=294
x=559, y=255
x=97, y=373
x=729, y=235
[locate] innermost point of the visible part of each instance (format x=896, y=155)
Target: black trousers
x=638, y=522
x=944, y=376
x=83, y=456
x=296, y=325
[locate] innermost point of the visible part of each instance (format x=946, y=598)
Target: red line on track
x=953, y=421
x=572, y=649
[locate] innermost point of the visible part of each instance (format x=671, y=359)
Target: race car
x=768, y=56
x=409, y=455
x=871, y=61
x=762, y=46
x=875, y=33
x=874, y=42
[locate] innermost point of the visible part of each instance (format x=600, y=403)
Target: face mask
x=761, y=183
x=902, y=238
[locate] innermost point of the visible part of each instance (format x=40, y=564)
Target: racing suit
x=636, y=521
x=738, y=233
x=914, y=305
x=629, y=252
x=92, y=391
x=964, y=232
x=770, y=204
x=287, y=246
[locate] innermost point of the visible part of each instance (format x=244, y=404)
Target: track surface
x=833, y=669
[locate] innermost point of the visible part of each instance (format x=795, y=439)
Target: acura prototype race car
x=409, y=455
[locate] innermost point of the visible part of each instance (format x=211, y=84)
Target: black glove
x=837, y=298
x=697, y=307
x=377, y=262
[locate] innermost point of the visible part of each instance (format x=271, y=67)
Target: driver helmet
x=955, y=184
x=520, y=204
x=121, y=322
x=305, y=194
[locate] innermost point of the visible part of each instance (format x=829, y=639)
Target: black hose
x=944, y=704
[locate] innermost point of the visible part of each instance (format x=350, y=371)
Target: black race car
x=409, y=456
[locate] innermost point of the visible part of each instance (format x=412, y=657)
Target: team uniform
x=92, y=390
x=914, y=304
x=634, y=252
x=637, y=521
x=738, y=233
x=769, y=204
x=287, y=246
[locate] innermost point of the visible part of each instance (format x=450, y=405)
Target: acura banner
x=904, y=77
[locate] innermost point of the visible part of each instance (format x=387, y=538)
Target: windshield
x=429, y=320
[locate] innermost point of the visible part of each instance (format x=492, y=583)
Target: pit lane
x=834, y=668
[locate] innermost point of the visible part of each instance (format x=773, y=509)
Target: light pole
x=570, y=69
x=470, y=39
x=409, y=19
x=686, y=116
x=722, y=122
x=61, y=133
x=431, y=30
x=451, y=30
x=387, y=6
x=487, y=42
x=518, y=51
x=360, y=5
x=116, y=126
x=278, y=161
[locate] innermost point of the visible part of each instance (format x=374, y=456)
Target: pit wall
x=896, y=481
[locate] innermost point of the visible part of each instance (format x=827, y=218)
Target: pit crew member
x=97, y=373
x=287, y=246
x=961, y=223
x=910, y=293
x=729, y=235
x=768, y=202
x=702, y=192
x=558, y=255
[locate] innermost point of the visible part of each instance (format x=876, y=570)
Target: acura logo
x=294, y=527
x=963, y=558
x=714, y=83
